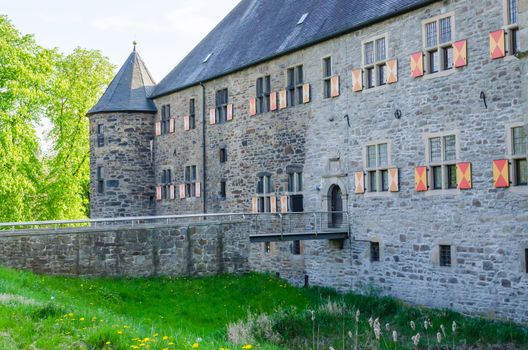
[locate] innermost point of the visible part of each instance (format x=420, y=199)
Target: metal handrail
x=93, y=223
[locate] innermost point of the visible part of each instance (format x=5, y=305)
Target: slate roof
x=258, y=30
x=129, y=89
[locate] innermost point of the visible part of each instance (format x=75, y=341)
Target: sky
x=165, y=30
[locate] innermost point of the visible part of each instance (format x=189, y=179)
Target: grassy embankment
x=43, y=312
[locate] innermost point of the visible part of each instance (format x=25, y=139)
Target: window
x=295, y=85
x=190, y=181
x=374, y=251
x=512, y=27
x=100, y=179
x=519, y=156
x=438, y=43
x=223, y=155
x=295, y=187
x=267, y=247
x=264, y=194
x=192, y=114
x=526, y=260
x=222, y=191
x=166, y=180
x=100, y=135
x=263, y=94
x=442, y=162
x=327, y=77
x=445, y=255
x=296, y=248
x=165, y=119
x=375, y=62
x=221, y=106
x=377, y=168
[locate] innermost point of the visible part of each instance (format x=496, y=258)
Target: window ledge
x=509, y=58
x=375, y=89
x=378, y=194
x=444, y=192
x=443, y=73
x=523, y=189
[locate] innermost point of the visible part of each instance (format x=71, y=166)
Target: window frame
x=327, y=69
x=190, y=176
x=263, y=100
x=223, y=189
x=100, y=134
x=222, y=154
x=294, y=87
x=512, y=29
x=513, y=158
x=192, y=113
x=375, y=251
x=445, y=251
x=440, y=48
x=446, y=165
x=378, y=172
x=165, y=119
x=100, y=178
x=166, y=181
x=221, y=102
x=264, y=195
x=375, y=71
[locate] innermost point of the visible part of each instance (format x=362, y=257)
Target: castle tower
x=121, y=130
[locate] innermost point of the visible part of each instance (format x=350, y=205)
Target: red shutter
x=254, y=204
x=198, y=189
x=182, y=191
x=186, y=123
x=501, y=173
x=273, y=204
x=392, y=71
x=464, y=176
x=158, y=193
x=394, y=185
x=284, y=204
x=334, y=83
x=357, y=80
x=420, y=178
x=460, y=53
x=283, y=101
x=498, y=44
x=306, y=93
x=171, y=192
x=158, y=128
x=417, y=65
x=212, y=116
x=171, y=125
x=252, y=106
x=230, y=111
x=273, y=101
x=359, y=182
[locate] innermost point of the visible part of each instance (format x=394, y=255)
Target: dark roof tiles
x=257, y=30
x=129, y=90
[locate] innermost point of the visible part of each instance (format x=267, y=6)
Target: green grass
x=46, y=312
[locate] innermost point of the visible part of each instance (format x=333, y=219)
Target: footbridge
x=262, y=227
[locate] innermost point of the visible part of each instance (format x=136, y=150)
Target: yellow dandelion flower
x=94, y=319
x=247, y=347
x=146, y=340
x=134, y=347
x=81, y=319
x=165, y=337
x=108, y=343
x=120, y=332
x=195, y=346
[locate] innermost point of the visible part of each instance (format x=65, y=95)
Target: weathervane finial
x=134, y=43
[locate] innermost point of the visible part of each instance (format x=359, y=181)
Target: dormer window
x=303, y=17
x=207, y=57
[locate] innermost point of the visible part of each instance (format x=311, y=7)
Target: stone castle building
x=410, y=115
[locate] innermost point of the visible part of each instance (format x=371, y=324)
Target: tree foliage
x=39, y=85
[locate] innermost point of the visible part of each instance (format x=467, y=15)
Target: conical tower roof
x=129, y=90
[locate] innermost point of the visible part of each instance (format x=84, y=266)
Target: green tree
x=37, y=84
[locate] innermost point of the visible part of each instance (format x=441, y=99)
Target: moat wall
x=212, y=248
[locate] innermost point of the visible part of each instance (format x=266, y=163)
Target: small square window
x=445, y=255
x=223, y=155
x=374, y=251
x=267, y=247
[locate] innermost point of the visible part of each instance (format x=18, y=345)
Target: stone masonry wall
x=194, y=250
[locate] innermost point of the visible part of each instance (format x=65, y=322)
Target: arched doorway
x=335, y=206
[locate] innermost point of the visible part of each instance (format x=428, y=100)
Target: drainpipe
x=204, y=168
